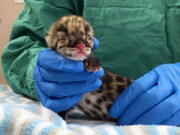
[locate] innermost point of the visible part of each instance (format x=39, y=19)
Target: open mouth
x=80, y=57
x=78, y=54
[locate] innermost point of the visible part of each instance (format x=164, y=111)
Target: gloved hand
x=152, y=99
x=60, y=82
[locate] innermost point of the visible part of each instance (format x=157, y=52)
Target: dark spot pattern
x=73, y=30
x=107, y=79
x=129, y=82
x=109, y=87
x=99, y=91
x=110, y=96
x=104, y=115
x=97, y=107
x=119, y=79
x=99, y=101
x=104, y=97
x=94, y=112
x=87, y=113
x=120, y=88
x=88, y=101
x=108, y=106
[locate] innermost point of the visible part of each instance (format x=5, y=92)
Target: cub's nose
x=80, y=46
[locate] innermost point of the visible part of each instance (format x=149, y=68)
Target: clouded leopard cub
x=72, y=37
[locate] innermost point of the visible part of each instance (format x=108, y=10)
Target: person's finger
x=55, y=104
x=58, y=104
x=136, y=89
x=51, y=60
x=96, y=43
x=61, y=77
x=173, y=120
x=165, y=109
x=68, y=89
x=146, y=101
x=62, y=104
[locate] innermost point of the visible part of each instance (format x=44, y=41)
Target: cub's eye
x=62, y=39
x=82, y=33
x=90, y=38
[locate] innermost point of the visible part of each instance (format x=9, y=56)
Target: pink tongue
x=80, y=46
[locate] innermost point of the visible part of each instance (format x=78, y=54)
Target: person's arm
x=54, y=9
x=27, y=40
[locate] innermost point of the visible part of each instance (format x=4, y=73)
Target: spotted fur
x=96, y=104
x=64, y=36
x=68, y=31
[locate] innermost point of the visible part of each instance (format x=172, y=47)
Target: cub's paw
x=91, y=64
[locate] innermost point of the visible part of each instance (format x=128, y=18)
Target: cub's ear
x=51, y=41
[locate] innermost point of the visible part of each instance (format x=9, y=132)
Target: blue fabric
x=152, y=99
x=60, y=82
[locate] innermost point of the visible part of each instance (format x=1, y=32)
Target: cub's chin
x=77, y=58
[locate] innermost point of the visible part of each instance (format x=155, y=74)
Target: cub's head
x=72, y=37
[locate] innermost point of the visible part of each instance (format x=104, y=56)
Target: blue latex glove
x=60, y=82
x=152, y=99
